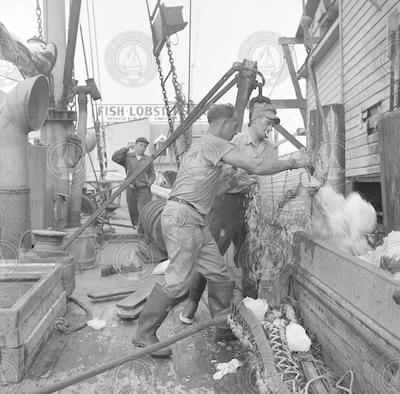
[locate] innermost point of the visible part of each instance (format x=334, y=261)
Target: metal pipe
x=188, y=122
x=79, y=171
x=22, y=110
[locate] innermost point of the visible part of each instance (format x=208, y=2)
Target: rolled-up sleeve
x=119, y=156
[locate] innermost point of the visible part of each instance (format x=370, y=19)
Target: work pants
x=191, y=247
x=137, y=198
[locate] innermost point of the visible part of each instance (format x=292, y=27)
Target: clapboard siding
x=328, y=79
x=365, y=79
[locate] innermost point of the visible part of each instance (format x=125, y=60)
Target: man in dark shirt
x=189, y=242
x=138, y=193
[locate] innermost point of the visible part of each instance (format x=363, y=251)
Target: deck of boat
x=190, y=370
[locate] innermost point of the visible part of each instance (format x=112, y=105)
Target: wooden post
x=295, y=81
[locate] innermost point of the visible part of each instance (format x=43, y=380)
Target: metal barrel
x=150, y=223
x=83, y=248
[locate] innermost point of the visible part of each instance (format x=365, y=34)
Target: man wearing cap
x=184, y=223
x=227, y=219
x=138, y=193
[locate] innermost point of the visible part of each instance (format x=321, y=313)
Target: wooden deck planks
x=190, y=369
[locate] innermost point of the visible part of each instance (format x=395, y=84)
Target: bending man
x=227, y=219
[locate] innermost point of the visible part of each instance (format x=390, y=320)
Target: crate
x=32, y=297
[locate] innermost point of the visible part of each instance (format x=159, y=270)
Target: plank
x=363, y=171
x=101, y=294
x=41, y=311
x=44, y=329
x=34, y=296
x=339, y=352
x=389, y=141
x=143, y=291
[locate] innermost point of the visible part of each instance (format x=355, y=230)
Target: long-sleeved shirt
x=130, y=161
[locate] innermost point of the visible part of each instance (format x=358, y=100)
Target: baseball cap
x=142, y=139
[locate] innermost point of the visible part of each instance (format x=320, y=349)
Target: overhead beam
x=295, y=40
x=294, y=141
x=288, y=103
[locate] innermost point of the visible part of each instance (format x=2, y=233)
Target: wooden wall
x=365, y=78
x=327, y=72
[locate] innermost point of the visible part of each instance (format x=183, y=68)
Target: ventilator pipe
x=87, y=145
x=79, y=171
x=22, y=110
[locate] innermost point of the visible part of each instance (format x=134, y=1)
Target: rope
x=66, y=327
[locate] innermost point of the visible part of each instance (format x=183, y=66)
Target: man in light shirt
x=227, y=219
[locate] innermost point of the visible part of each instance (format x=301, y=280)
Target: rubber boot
x=220, y=295
x=196, y=291
x=154, y=312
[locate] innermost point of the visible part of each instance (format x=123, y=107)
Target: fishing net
x=277, y=207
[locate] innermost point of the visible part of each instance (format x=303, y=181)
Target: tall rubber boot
x=196, y=291
x=220, y=295
x=154, y=312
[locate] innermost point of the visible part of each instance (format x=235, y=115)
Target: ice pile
x=343, y=222
x=297, y=339
x=96, y=324
x=226, y=368
x=258, y=306
x=387, y=255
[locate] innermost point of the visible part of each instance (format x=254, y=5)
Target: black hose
x=129, y=357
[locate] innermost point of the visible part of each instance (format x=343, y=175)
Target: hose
x=129, y=357
x=65, y=327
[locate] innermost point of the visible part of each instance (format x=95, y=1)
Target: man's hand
x=303, y=161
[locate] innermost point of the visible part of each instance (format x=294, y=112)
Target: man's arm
x=263, y=167
x=120, y=156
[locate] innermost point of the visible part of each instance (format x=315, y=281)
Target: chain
x=39, y=20
x=178, y=93
x=103, y=136
x=99, y=148
x=170, y=122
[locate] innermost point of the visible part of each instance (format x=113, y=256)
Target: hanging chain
x=99, y=148
x=165, y=97
x=178, y=94
x=103, y=136
x=39, y=20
